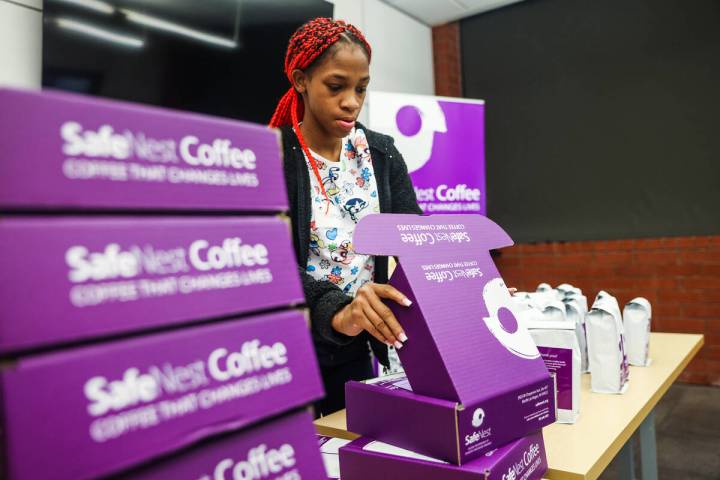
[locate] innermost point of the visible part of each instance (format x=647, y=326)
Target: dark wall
x=603, y=118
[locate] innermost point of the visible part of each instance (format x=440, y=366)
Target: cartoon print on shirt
x=350, y=150
x=365, y=175
x=316, y=243
x=349, y=286
x=362, y=148
x=355, y=206
x=335, y=275
x=351, y=188
x=344, y=253
x=348, y=188
x=329, y=182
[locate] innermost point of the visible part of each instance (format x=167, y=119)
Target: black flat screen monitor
x=220, y=57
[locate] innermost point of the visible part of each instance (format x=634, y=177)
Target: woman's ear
x=299, y=80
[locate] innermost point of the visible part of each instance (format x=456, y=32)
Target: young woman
x=337, y=171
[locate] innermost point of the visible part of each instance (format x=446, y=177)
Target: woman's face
x=334, y=89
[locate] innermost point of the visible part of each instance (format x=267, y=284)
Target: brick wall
x=680, y=277
x=446, y=60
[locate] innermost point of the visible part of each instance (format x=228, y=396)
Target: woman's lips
x=346, y=124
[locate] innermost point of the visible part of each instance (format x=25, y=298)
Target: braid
x=307, y=44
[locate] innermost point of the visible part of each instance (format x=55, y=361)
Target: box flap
x=464, y=339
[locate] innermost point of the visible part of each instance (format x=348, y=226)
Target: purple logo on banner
x=443, y=143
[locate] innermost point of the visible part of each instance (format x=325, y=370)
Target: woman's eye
x=335, y=88
x=361, y=90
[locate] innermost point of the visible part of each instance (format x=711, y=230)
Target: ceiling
x=437, y=12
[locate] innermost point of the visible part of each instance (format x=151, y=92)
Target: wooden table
x=607, y=422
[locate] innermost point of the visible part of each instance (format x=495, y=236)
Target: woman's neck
x=320, y=142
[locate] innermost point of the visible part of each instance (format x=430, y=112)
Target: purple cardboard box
x=100, y=409
x=387, y=409
x=76, y=278
x=66, y=151
x=464, y=339
x=465, y=344
x=523, y=459
x=281, y=449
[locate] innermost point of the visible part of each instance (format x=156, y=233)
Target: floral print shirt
x=350, y=185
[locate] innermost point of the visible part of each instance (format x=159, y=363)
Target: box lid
x=525, y=456
x=465, y=342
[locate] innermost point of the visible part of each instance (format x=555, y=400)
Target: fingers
x=367, y=324
x=512, y=290
x=390, y=292
x=382, y=327
x=375, y=317
x=389, y=320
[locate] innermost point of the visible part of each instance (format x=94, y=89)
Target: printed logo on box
x=122, y=264
x=442, y=143
x=92, y=154
x=529, y=462
x=478, y=417
x=259, y=463
x=241, y=373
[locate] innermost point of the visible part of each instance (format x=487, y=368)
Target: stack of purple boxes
x=476, y=392
x=143, y=333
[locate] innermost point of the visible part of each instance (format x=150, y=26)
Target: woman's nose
x=350, y=103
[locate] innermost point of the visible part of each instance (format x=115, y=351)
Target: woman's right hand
x=368, y=312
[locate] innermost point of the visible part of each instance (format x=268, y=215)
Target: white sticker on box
x=386, y=448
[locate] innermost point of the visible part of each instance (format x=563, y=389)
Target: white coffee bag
x=564, y=288
x=606, y=346
x=574, y=312
x=580, y=298
x=544, y=295
x=527, y=312
x=554, y=311
x=543, y=287
x=637, y=316
x=558, y=345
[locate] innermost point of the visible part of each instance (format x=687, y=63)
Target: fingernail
x=403, y=337
x=398, y=345
x=406, y=301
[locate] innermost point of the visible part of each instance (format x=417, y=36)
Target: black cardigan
x=395, y=194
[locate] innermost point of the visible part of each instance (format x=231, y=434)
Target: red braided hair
x=307, y=45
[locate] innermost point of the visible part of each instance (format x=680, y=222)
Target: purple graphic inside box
x=388, y=410
x=97, y=410
x=282, y=448
x=559, y=361
x=465, y=343
x=364, y=458
x=66, y=151
x=101, y=276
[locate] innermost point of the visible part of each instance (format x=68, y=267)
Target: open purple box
x=63, y=151
x=364, y=458
x=477, y=379
x=101, y=276
x=97, y=410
